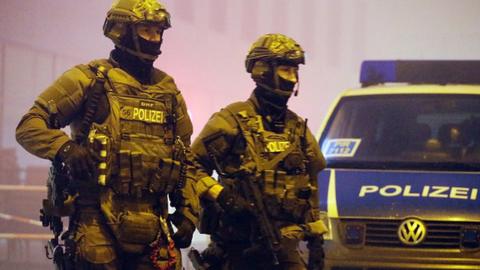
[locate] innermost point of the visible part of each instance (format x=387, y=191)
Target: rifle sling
x=99, y=75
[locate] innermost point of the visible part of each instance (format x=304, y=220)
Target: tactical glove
x=232, y=203
x=77, y=159
x=316, y=255
x=185, y=229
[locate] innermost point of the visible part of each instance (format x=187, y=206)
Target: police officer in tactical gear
x=260, y=140
x=128, y=151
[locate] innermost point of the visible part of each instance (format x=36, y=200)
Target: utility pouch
x=166, y=177
x=273, y=186
x=133, y=226
x=273, y=182
x=295, y=209
x=100, y=145
x=295, y=202
x=122, y=186
x=294, y=163
x=138, y=180
x=136, y=230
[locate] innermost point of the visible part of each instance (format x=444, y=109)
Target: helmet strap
x=276, y=79
x=297, y=87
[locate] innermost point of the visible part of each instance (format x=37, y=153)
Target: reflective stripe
x=204, y=184
x=332, y=196
x=214, y=192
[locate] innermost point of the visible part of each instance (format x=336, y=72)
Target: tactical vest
x=280, y=162
x=136, y=139
x=137, y=167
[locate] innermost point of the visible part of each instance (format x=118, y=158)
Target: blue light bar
x=420, y=72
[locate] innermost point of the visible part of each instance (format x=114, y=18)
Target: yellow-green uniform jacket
x=142, y=122
x=240, y=137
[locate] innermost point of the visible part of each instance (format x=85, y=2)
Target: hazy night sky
x=205, y=49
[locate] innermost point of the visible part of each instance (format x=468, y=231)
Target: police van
x=401, y=188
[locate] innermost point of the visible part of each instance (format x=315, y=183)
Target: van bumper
x=339, y=256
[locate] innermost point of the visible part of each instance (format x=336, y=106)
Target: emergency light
x=420, y=72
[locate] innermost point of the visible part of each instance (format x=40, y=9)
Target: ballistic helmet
x=273, y=63
x=274, y=47
x=123, y=17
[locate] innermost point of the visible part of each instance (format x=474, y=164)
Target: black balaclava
x=273, y=93
x=141, y=69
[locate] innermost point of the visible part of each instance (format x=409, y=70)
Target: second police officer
x=260, y=148
x=133, y=119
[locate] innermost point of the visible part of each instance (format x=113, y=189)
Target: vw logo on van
x=412, y=232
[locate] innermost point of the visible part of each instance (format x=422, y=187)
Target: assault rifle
x=249, y=188
x=51, y=216
x=267, y=233
x=179, y=157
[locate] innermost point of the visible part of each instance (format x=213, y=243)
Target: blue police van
x=401, y=188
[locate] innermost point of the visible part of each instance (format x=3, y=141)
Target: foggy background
x=205, y=51
x=206, y=47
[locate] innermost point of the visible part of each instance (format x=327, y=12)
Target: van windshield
x=418, y=131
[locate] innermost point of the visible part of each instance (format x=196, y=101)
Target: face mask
x=274, y=102
x=148, y=47
x=149, y=38
x=287, y=77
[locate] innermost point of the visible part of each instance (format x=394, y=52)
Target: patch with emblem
x=143, y=115
x=341, y=147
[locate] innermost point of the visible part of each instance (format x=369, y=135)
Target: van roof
x=396, y=89
x=374, y=72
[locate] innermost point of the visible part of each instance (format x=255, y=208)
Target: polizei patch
x=143, y=114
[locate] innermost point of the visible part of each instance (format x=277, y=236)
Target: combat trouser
x=235, y=256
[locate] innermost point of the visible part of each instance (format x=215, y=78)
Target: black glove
x=316, y=255
x=232, y=203
x=77, y=159
x=185, y=229
x=213, y=256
